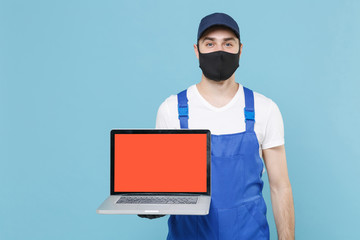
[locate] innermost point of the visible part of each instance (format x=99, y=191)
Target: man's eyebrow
x=212, y=39
x=208, y=38
x=230, y=38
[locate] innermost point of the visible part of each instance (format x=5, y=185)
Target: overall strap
x=183, y=109
x=249, y=110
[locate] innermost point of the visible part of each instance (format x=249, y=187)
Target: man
x=244, y=125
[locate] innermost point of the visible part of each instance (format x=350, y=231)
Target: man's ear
x=196, y=51
x=240, y=49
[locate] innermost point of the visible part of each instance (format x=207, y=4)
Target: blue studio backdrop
x=70, y=71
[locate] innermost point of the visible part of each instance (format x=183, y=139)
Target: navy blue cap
x=216, y=19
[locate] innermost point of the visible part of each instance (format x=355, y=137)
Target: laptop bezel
x=161, y=131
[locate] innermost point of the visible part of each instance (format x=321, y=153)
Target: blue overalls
x=237, y=209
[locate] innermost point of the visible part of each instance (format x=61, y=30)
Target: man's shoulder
x=266, y=108
x=172, y=99
x=262, y=100
x=168, y=112
x=169, y=101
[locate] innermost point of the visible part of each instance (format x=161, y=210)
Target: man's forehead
x=218, y=32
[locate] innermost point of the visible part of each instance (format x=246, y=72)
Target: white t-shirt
x=228, y=119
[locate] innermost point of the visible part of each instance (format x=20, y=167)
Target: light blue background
x=70, y=71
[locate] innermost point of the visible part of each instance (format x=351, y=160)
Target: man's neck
x=216, y=93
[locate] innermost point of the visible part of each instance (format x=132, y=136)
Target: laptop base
x=109, y=206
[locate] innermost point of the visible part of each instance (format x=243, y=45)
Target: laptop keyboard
x=156, y=200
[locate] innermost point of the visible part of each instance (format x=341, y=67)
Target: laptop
x=159, y=171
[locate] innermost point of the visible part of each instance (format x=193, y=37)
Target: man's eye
x=228, y=44
x=209, y=44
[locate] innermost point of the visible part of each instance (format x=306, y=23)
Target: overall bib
x=237, y=209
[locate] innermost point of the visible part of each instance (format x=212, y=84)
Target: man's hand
x=151, y=216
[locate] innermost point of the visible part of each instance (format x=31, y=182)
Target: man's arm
x=281, y=193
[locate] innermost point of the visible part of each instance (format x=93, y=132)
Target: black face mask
x=220, y=65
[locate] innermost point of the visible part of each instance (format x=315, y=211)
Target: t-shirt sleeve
x=274, y=130
x=162, y=118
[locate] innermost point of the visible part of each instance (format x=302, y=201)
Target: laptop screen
x=160, y=161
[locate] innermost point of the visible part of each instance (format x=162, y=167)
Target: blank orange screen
x=160, y=163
